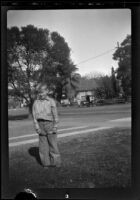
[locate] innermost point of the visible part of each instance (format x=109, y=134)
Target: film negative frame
x=130, y=193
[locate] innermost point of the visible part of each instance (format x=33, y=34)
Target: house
x=86, y=88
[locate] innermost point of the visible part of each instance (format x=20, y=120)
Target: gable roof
x=86, y=84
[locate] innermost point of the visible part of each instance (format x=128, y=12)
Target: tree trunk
x=59, y=94
x=30, y=116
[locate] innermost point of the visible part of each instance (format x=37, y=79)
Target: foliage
x=67, y=77
x=26, y=49
x=123, y=56
x=36, y=55
x=13, y=103
x=104, y=89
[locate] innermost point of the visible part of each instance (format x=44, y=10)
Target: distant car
x=86, y=103
x=65, y=102
x=100, y=101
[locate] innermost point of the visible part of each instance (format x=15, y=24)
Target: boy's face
x=43, y=92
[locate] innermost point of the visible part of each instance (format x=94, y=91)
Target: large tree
x=26, y=49
x=62, y=74
x=36, y=55
x=123, y=56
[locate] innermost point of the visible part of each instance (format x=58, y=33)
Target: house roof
x=86, y=85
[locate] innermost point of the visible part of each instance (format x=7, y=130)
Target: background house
x=86, y=87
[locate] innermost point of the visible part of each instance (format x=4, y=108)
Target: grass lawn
x=99, y=160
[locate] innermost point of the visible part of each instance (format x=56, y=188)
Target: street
x=74, y=120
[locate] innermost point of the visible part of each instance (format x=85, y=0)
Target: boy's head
x=42, y=91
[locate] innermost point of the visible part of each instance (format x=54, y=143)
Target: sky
x=90, y=33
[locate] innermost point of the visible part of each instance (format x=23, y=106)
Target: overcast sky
x=89, y=33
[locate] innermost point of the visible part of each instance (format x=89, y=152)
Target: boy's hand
x=38, y=130
x=55, y=128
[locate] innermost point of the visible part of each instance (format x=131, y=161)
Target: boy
x=45, y=120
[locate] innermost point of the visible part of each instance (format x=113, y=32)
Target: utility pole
x=120, y=81
x=118, y=46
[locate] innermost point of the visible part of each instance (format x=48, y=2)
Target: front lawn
x=94, y=160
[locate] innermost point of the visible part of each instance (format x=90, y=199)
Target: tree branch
x=19, y=93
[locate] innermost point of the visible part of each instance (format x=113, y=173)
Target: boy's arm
x=54, y=113
x=35, y=120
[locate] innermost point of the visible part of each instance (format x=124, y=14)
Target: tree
x=26, y=49
x=104, y=89
x=123, y=56
x=71, y=86
x=34, y=56
x=62, y=74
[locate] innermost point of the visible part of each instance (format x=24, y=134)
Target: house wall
x=82, y=94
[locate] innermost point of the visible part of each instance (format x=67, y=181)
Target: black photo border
x=75, y=193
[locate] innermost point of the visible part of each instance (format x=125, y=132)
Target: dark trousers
x=48, y=148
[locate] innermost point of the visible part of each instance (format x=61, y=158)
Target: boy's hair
x=40, y=86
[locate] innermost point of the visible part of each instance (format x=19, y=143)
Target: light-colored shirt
x=45, y=109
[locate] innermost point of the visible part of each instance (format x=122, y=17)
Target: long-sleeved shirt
x=45, y=109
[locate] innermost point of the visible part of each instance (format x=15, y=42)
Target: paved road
x=74, y=121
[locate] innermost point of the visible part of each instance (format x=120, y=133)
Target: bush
x=12, y=103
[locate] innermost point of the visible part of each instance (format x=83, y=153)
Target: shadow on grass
x=34, y=151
